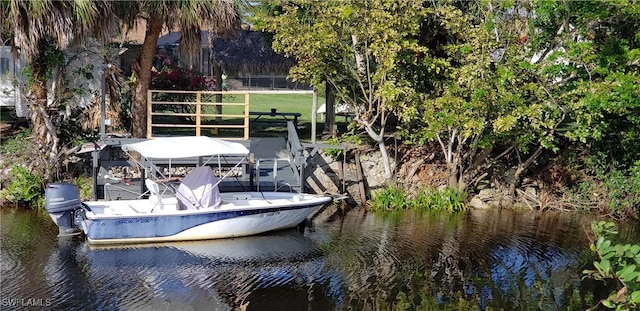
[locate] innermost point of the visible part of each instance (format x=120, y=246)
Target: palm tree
x=39, y=30
x=189, y=16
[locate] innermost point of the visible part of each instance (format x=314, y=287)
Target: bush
x=619, y=263
x=85, y=186
x=24, y=187
x=347, y=138
x=620, y=191
x=177, y=78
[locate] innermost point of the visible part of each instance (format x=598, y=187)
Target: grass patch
x=15, y=145
x=300, y=103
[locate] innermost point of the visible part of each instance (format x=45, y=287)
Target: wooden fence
x=193, y=110
x=193, y=106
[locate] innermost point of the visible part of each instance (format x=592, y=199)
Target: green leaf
x=635, y=297
x=619, y=248
x=628, y=273
x=608, y=304
x=603, y=266
x=608, y=255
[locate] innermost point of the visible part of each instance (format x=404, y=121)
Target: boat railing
x=159, y=166
x=295, y=160
x=260, y=163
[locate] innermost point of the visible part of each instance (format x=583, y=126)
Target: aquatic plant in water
x=394, y=197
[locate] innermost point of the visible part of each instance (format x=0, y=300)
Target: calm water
x=478, y=260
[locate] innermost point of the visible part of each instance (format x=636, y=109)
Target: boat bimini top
x=185, y=147
x=182, y=147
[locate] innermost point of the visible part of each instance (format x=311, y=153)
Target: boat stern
x=62, y=202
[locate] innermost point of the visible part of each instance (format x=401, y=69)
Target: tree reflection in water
x=485, y=260
x=480, y=260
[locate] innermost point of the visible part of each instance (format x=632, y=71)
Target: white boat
x=197, y=210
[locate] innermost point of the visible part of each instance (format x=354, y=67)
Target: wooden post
x=314, y=115
x=217, y=72
x=246, y=116
x=198, y=113
x=149, y=114
x=361, y=186
x=303, y=177
x=252, y=161
x=341, y=174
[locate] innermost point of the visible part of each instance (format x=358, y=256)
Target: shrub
x=24, y=187
x=176, y=78
x=346, y=138
x=85, y=186
x=617, y=262
x=621, y=190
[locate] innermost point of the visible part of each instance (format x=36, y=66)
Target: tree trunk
x=453, y=176
x=385, y=158
x=142, y=70
x=451, y=158
x=379, y=138
x=330, y=112
x=41, y=125
x=521, y=168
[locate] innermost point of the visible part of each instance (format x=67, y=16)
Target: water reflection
x=358, y=261
x=480, y=259
x=211, y=275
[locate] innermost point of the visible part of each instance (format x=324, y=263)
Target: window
x=4, y=65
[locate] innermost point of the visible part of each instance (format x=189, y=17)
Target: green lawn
x=300, y=103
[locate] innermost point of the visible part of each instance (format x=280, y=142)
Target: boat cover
x=185, y=147
x=198, y=190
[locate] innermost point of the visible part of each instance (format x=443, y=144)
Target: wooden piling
x=361, y=186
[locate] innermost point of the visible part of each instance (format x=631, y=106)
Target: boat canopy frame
x=186, y=147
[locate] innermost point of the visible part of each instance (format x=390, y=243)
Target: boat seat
x=158, y=203
x=199, y=189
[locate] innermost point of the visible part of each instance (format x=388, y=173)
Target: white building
x=10, y=81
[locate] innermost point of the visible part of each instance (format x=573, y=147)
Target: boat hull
x=232, y=220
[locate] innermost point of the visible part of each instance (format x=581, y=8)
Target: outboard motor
x=62, y=202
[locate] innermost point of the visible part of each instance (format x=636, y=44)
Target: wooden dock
x=275, y=163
